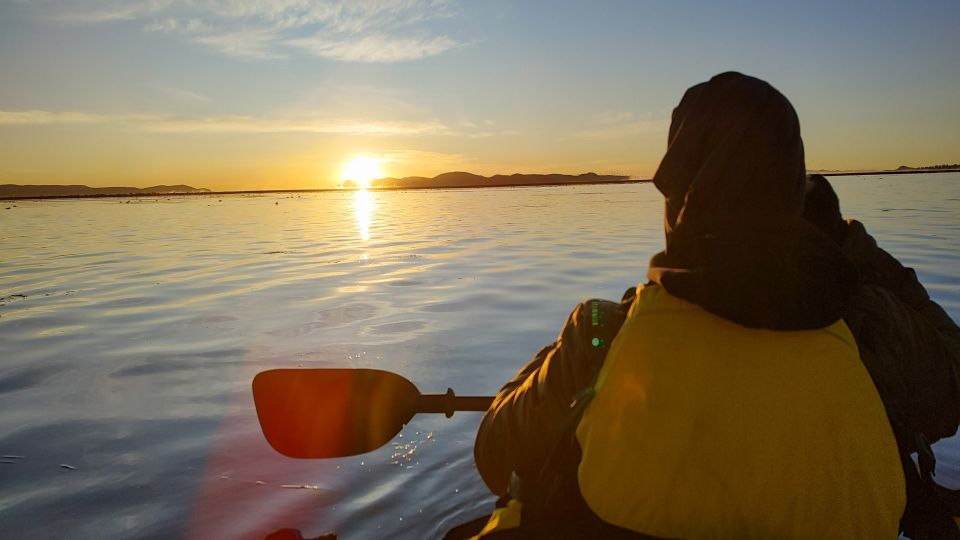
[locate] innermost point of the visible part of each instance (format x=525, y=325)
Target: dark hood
x=733, y=178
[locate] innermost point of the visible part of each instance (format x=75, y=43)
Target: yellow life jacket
x=702, y=428
x=502, y=519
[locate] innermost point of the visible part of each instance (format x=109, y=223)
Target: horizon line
x=627, y=180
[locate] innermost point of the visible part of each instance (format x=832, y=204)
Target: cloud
x=483, y=129
x=38, y=118
x=487, y=134
x=243, y=43
x=223, y=124
x=375, y=48
x=186, y=26
x=418, y=157
x=622, y=124
x=101, y=11
x=243, y=124
x=180, y=95
x=340, y=30
x=613, y=117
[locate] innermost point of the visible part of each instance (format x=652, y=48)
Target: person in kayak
x=911, y=347
x=726, y=397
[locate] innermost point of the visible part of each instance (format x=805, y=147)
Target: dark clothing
x=734, y=156
x=780, y=275
x=920, y=390
x=733, y=179
x=910, y=346
x=908, y=343
x=911, y=349
x=736, y=245
x=532, y=411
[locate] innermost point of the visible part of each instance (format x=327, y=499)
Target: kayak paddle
x=325, y=413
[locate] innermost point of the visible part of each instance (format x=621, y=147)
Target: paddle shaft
x=449, y=402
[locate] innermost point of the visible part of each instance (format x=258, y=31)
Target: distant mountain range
x=445, y=180
x=465, y=179
x=14, y=190
x=929, y=167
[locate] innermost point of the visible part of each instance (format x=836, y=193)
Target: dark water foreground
x=129, y=333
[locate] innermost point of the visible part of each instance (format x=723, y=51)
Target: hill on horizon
x=78, y=190
x=466, y=179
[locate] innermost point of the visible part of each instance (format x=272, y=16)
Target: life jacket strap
x=926, y=460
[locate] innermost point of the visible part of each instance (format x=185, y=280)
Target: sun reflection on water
x=363, y=205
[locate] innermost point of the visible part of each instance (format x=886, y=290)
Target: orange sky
x=284, y=95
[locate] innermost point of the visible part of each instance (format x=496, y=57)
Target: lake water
x=130, y=331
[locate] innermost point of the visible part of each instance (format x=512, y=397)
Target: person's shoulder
x=602, y=313
x=857, y=244
x=629, y=296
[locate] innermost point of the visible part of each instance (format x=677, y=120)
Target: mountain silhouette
x=76, y=190
x=466, y=179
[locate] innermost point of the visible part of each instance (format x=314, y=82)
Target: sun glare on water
x=362, y=170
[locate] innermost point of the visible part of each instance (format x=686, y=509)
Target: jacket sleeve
x=532, y=411
x=909, y=343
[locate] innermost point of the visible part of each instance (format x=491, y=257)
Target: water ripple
x=130, y=334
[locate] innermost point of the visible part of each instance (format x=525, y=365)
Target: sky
x=282, y=94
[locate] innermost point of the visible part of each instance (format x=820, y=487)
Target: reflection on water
x=129, y=334
x=363, y=205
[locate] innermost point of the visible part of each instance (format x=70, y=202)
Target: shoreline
x=419, y=188
x=875, y=173
x=317, y=190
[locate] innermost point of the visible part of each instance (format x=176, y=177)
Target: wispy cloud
x=622, y=124
x=101, y=11
x=488, y=134
x=341, y=30
x=375, y=48
x=613, y=117
x=419, y=157
x=40, y=118
x=171, y=25
x=222, y=124
x=257, y=43
x=180, y=95
x=483, y=129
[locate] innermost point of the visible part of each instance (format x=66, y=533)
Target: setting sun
x=362, y=170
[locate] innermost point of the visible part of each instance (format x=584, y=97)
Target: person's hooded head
x=734, y=179
x=735, y=156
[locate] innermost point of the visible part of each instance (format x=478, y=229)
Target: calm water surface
x=130, y=331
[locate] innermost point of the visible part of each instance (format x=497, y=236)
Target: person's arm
x=908, y=342
x=879, y=268
x=532, y=411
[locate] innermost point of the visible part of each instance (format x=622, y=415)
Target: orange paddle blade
x=324, y=413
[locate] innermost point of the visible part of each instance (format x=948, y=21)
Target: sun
x=361, y=169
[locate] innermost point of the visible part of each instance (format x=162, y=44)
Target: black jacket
x=910, y=346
